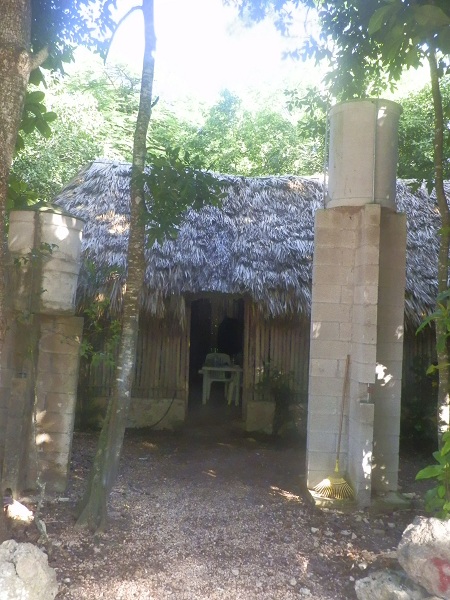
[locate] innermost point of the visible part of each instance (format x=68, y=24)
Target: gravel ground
x=212, y=514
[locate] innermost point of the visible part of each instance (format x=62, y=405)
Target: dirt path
x=210, y=513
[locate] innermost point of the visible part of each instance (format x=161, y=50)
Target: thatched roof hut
x=249, y=261
x=258, y=244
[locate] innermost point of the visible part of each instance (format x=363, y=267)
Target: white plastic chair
x=215, y=359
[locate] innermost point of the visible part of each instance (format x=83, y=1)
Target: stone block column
x=7, y=372
x=363, y=350
x=357, y=310
x=335, y=240
x=386, y=393
x=56, y=388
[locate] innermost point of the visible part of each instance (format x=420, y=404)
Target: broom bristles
x=334, y=487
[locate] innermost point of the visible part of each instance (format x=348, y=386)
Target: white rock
x=424, y=553
x=314, y=529
x=388, y=585
x=235, y=572
x=305, y=591
x=292, y=581
x=25, y=574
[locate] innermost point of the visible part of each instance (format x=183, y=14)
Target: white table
x=233, y=381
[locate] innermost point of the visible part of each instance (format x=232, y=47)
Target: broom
x=335, y=486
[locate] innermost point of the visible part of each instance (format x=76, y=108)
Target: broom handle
x=344, y=396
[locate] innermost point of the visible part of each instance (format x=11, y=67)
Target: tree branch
x=38, y=58
x=131, y=11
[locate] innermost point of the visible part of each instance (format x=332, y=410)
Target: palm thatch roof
x=259, y=243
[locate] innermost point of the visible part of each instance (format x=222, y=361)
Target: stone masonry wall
x=331, y=330
x=357, y=310
x=56, y=386
x=363, y=350
x=6, y=374
x=387, y=390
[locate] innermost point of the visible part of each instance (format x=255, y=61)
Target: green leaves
x=380, y=17
x=441, y=314
x=430, y=17
x=35, y=117
x=437, y=499
x=429, y=472
x=20, y=194
x=176, y=181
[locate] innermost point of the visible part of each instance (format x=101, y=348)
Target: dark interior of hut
x=217, y=326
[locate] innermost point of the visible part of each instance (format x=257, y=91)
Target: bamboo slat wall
x=162, y=363
x=284, y=343
x=162, y=366
x=162, y=360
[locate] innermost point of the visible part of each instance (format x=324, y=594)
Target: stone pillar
x=363, y=350
x=335, y=239
x=388, y=383
x=56, y=389
x=357, y=310
x=6, y=375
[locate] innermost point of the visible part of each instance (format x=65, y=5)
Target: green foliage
x=176, y=185
x=115, y=94
x=35, y=117
x=55, y=27
x=437, y=499
x=45, y=250
x=20, y=195
x=277, y=386
x=101, y=334
x=63, y=25
x=228, y=138
x=43, y=166
x=441, y=317
x=35, y=123
x=370, y=48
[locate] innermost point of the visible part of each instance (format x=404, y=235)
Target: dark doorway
x=200, y=337
x=217, y=325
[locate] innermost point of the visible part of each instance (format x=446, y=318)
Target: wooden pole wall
x=162, y=366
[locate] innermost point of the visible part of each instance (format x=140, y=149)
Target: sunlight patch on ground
x=210, y=473
x=225, y=445
x=285, y=494
x=149, y=445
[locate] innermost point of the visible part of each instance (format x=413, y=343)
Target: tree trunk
x=15, y=66
x=93, y=506
x=443, y=261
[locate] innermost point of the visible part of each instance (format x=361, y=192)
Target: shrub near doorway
x=275, y=395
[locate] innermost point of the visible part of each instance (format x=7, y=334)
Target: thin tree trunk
x=15, y=66
x=93, y=506
x=443, y=261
